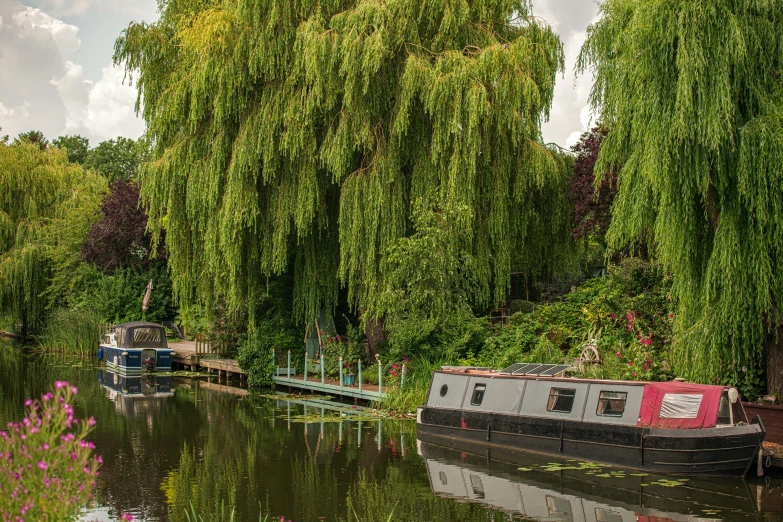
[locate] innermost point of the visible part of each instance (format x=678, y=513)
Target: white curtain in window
x=680, y=405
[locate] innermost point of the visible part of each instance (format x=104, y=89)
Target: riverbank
x=171, y=444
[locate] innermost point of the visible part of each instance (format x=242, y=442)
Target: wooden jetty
x=317, y=382
x=198, y=355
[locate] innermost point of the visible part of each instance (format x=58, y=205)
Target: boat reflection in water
x=137, y=395
x=578, y=495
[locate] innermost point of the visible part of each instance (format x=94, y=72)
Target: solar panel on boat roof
x=513, y=368
x=534, y=369
x=524, y=369
x=554, y=369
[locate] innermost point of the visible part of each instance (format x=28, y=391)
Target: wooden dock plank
x=226, y=365
x=368, y=391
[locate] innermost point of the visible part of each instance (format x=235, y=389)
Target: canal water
x=167, y=442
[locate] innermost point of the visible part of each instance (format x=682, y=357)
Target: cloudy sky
x=56, y=72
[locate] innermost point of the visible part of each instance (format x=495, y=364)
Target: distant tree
x=77, y=147
x=119, y=239
x=116, y=159
x=592, y=204
x=41, y=230
x=33, y=136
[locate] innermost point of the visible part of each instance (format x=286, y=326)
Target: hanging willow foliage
x=293, y=134
x=46, y=207
x=693, y=90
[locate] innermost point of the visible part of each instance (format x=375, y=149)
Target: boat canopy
x=680, y=405
x=140, y=335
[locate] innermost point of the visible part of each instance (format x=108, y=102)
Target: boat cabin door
x=148, y=360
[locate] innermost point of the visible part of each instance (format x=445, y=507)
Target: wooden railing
x=285, y=375
x=204, y=347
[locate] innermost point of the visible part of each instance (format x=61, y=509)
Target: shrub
x=47, y=471
x=521, y=306
x=255, y=353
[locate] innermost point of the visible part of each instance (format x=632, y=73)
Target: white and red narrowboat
x=665, y=427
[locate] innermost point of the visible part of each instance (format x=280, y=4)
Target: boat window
x=478, y=394
x=561, y=400
x=146, y=336
x=444, y=390
x=681, y=405
x=724, y=410
x=611, y=404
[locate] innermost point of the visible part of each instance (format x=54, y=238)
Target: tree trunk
x=375, y=336
x=774, y=346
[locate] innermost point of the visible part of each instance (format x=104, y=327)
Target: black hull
x=727, y=451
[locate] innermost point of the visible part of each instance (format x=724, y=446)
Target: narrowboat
x=134, y=348
x=663, y=427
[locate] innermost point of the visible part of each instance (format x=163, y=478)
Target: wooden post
x=402, y=378
x=341, y=373
x=323, y=360
x=360, y=376
x=289, y=365
x=305, y=369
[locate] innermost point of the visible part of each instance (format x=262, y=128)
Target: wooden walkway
x=368, y=392
x=194, y=356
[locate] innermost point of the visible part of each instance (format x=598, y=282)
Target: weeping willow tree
x=294, y=134
x=46, y=207
x=693, y=91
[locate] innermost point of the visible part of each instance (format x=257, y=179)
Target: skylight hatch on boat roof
x=546, y=370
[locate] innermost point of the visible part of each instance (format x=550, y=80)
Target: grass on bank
x=72, y=332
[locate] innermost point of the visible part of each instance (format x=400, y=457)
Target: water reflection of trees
x=280, y=462
x=254, y=453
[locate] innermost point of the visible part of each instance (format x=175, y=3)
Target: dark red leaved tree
x=592, y=209
x=119, y=239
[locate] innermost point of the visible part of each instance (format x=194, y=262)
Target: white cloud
x=568, y=117
x=80, y=7
x=64, y=35
x=43, y=88
x=110, y=111
x=74, y=91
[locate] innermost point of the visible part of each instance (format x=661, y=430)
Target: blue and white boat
x=136, y=348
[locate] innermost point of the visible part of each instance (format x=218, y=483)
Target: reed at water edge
x=417, y=381
x=71, y=331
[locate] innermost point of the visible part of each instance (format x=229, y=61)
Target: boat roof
x=497, y=374
x=138, y=323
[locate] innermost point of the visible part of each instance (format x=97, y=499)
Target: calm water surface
x=170, y=441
